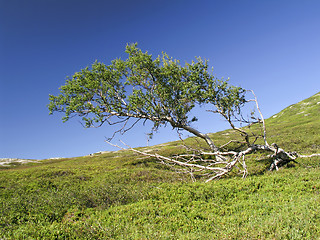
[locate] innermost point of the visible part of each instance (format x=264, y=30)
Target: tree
x=162, y=91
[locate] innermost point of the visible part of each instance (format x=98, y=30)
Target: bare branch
x=262, y=119
x=309, y=156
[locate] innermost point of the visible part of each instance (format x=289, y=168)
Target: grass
x=122, y=195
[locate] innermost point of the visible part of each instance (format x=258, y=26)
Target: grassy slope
x=122, y=195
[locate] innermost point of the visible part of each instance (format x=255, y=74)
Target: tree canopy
x=160, y=90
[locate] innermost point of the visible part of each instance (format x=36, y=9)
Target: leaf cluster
x=160, y=90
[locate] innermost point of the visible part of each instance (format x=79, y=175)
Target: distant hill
x=305, y=111
x=6, y=162
x=297, y=127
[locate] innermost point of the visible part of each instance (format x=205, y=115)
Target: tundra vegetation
x=123, y=195
x=162, y=91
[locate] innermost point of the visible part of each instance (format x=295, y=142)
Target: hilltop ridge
x=307, y=107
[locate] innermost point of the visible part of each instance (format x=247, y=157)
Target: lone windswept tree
x=164, y=92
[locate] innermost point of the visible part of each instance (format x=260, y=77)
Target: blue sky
x=271, y=47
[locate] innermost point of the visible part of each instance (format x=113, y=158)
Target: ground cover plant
x=123, y=195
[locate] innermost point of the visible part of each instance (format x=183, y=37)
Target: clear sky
x=269, y=46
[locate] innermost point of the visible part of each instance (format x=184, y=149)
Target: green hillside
x=123, y=195
x=297, y=127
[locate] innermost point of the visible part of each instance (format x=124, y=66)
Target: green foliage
x=159, y=90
